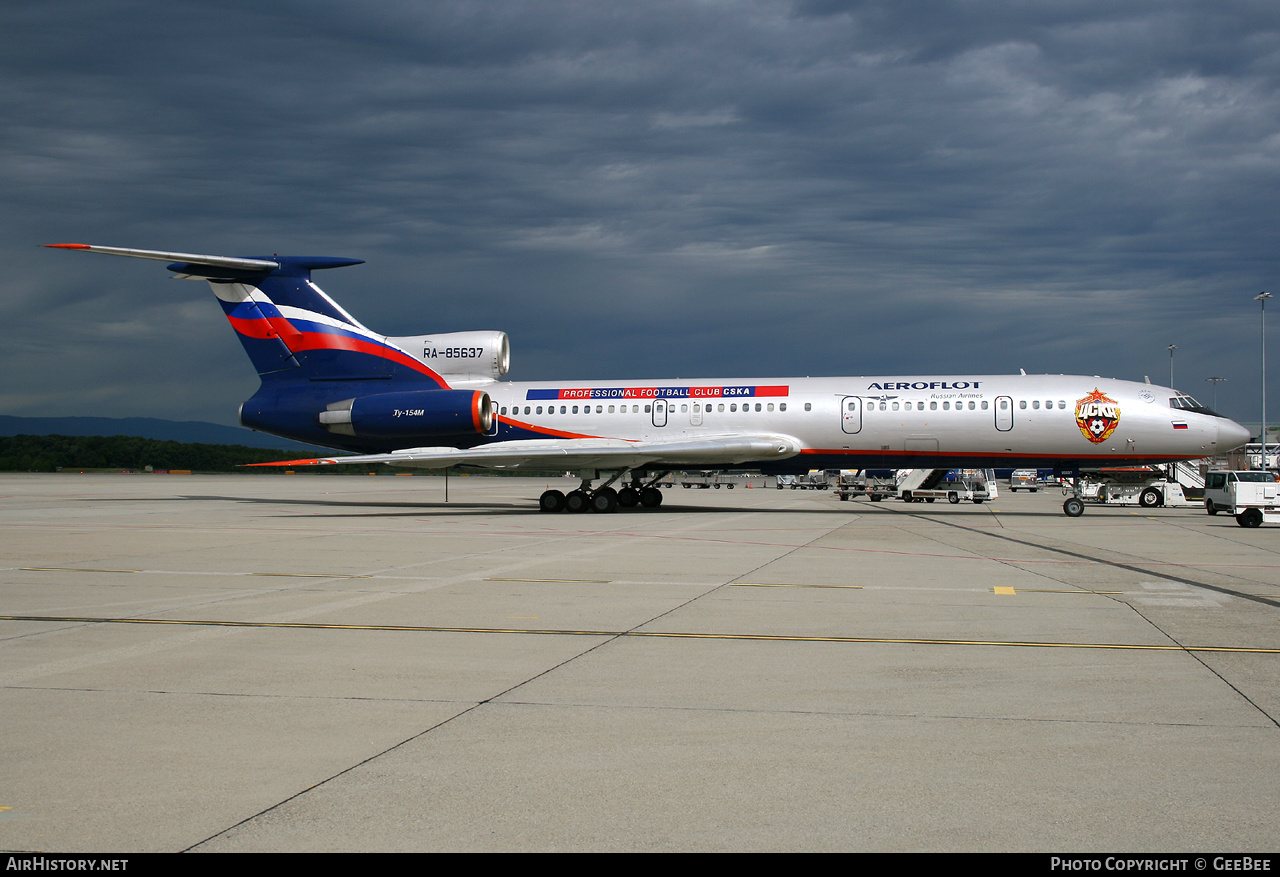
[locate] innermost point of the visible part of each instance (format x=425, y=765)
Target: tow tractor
x=1149, y=487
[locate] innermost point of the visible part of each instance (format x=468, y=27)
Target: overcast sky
x=646, y=190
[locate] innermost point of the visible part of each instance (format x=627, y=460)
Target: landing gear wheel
x=1073, y=507
x=651, y=497
x=551, y=501
x=1150, y=498
x=605, y=500
x=577, y=501
x=628, y=497
x=1249, y=518
x=953, y=497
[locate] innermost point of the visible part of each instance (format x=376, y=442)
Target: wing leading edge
x=581, y=454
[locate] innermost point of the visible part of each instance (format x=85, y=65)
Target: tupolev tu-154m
x=437, y=401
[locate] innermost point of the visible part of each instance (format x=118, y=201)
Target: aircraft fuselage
x=873, y=422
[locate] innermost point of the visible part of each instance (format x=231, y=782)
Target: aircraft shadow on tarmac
x=530, y=506
x=490, y=507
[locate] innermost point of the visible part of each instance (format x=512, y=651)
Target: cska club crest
x=1097, y=416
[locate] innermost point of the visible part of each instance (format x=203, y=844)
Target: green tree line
x=47, y=453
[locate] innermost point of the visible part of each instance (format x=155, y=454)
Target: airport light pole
x=1262, y=297
x=1215, y=382
x=1171, y=348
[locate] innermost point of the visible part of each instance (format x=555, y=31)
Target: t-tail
x=326, y=378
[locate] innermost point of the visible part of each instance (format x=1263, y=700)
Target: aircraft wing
x=702, y=451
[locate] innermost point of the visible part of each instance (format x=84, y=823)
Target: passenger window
x=933, y=406
x=757, y=406
x=770, y=406
x=984, y=404
x=808, y=406
x=1022, y=403
x=733, y=407
x=782, y=406
x=1036, y=404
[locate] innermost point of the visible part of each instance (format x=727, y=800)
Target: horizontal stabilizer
x=190, y=258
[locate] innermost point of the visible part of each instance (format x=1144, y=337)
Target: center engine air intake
x=460, y=357
x=411, y=414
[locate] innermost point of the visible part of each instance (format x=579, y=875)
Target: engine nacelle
x=411, y=414
x=460, y=357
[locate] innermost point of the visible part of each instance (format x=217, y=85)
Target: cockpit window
x=1183, y=402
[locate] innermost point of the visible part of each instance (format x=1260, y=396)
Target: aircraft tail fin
x=287, y=325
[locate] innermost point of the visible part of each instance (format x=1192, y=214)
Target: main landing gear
x=604, y=498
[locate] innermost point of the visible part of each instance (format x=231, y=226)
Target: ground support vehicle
x=1148, y=495
x=1149, y=487
x=816, y=479
x=1250, y=495
x=953, y=485
x=1255, y=503
x=873, y=487
x=705, y=480
x=1024, y=479
x=967, y=485
x=850, y=482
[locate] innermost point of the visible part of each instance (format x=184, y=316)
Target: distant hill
x=147, y=427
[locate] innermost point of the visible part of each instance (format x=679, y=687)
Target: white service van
x=1253, y=496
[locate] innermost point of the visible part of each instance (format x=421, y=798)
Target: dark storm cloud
x=647, y=189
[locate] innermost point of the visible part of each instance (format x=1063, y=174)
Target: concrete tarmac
x=273, y=662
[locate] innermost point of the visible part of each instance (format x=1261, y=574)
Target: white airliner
x=436, y=401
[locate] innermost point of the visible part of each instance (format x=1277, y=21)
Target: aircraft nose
x=1231, y=435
